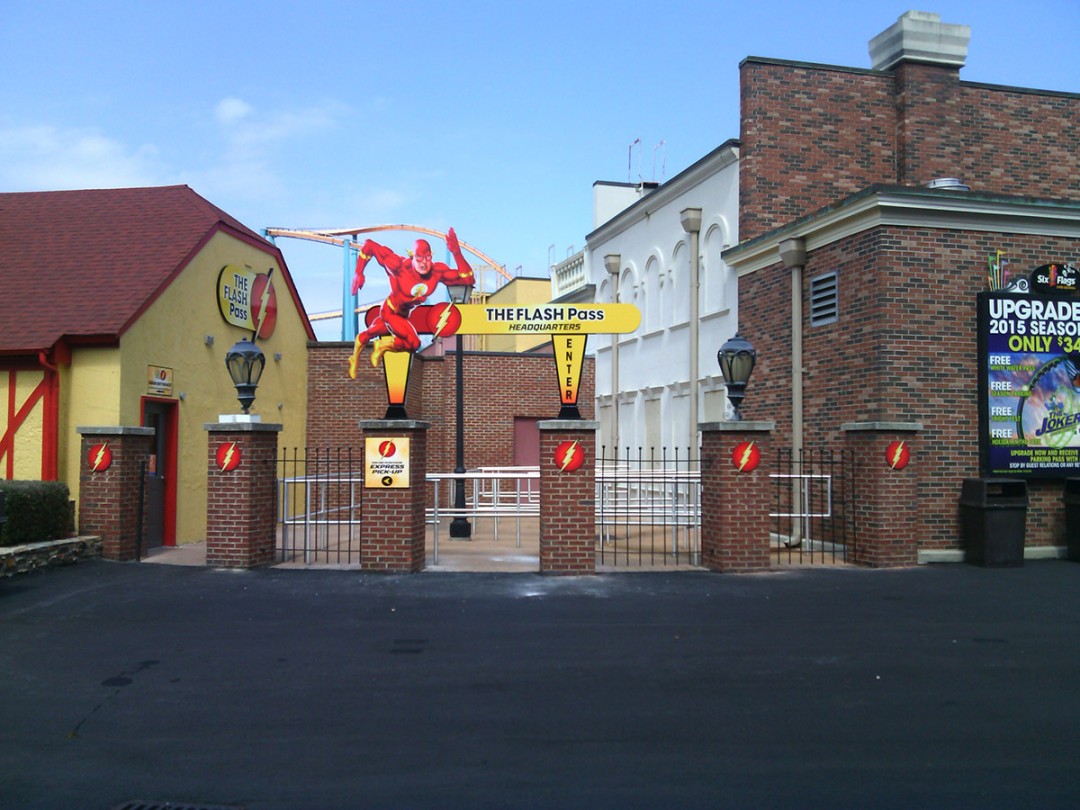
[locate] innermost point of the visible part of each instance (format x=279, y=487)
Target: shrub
x=36, y=511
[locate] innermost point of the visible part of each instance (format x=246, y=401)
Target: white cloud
x=248, y=130
x=45, y=158
x=230, y=110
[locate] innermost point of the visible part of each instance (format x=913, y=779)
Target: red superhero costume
x=412, y=280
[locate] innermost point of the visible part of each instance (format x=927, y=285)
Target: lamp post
x=737, y=357
x=245, y=362
x=459, y=526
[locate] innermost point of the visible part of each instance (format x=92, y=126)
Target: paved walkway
x=484, y=552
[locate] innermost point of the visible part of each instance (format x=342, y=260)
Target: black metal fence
x=813, y=507
x=648, y=509
x=319, y=495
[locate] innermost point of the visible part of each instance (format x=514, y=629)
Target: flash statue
x=412, y=280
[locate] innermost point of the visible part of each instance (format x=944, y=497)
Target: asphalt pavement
x=932, y=687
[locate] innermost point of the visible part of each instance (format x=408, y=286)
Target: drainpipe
x=793, y=255
x=691, y=222
x=613, y=263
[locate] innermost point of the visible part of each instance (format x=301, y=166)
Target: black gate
x=319, y=492
x=813, y=508
x=648, y=509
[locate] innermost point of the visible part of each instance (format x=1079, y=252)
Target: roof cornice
x=725, y=155
x=912, y=208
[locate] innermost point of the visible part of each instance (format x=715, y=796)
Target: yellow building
x=117, y=307
x=519, y=290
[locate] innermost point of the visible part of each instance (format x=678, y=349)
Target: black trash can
x=993, y=515
x=1072, y=517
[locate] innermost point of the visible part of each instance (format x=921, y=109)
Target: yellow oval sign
x=544, y=319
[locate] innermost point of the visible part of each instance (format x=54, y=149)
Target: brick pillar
x=392, y=519
x=885, y=495
x=109, y=487
x=735, y=521
x=241, y=494
x=568, y=497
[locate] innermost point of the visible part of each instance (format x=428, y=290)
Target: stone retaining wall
x=32, y=556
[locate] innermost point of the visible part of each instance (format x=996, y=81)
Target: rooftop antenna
x=551, y=255
x=629, y=157
x=663, y=160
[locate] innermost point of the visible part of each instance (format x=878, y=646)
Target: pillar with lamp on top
x=734, y=484
x=241, y=472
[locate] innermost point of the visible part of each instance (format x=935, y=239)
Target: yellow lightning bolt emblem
x=568, y=456
x=897, y=454
x=228, y=456
x=443, y=319
x=262, y=303
x=747, y=452
x=100, y=456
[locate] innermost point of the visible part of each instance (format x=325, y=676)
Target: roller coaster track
x=336, y=236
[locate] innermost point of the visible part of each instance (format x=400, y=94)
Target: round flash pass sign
x=227, y=456
x=746, y=456
x=569, y=456
x=99, y=458
x=897, y=455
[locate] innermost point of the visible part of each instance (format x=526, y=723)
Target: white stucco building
x=662, y=389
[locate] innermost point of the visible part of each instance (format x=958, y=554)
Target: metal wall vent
x=145, y=805
x=824, y=299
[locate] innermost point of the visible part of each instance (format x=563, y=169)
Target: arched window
x=650, y=301
x=716, y=277
x=680, y=288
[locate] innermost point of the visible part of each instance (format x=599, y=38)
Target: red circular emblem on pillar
x=569, y=456
x=746, y=456
x=228, y=456
x=99, y=458
x=444, y=320
x=897, y=455
x=387, y=449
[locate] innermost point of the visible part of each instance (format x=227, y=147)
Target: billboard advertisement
x=1029, y=385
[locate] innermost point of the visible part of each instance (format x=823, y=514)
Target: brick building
x=505, y=396
x=850, y=216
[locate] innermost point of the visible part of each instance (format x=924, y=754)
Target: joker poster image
x=1029, y=383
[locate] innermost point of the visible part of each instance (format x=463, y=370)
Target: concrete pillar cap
x=920, y=36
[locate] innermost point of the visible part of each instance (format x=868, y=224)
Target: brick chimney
x=925, y=56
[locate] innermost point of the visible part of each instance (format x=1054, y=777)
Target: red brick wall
x=392, y=520
x=242, y=503
x=887, y=536
x=735, y=521
x=567, y=506
x=109, y=499
x=811, y=135
x=497, y=387
x=904, y=349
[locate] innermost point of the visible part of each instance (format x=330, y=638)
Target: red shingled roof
x=82, y=265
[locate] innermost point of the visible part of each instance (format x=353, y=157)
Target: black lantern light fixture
x=737, y=357
x=459, y=526
x=245, y=362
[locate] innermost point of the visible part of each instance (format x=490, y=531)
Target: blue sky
x=492, y=117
